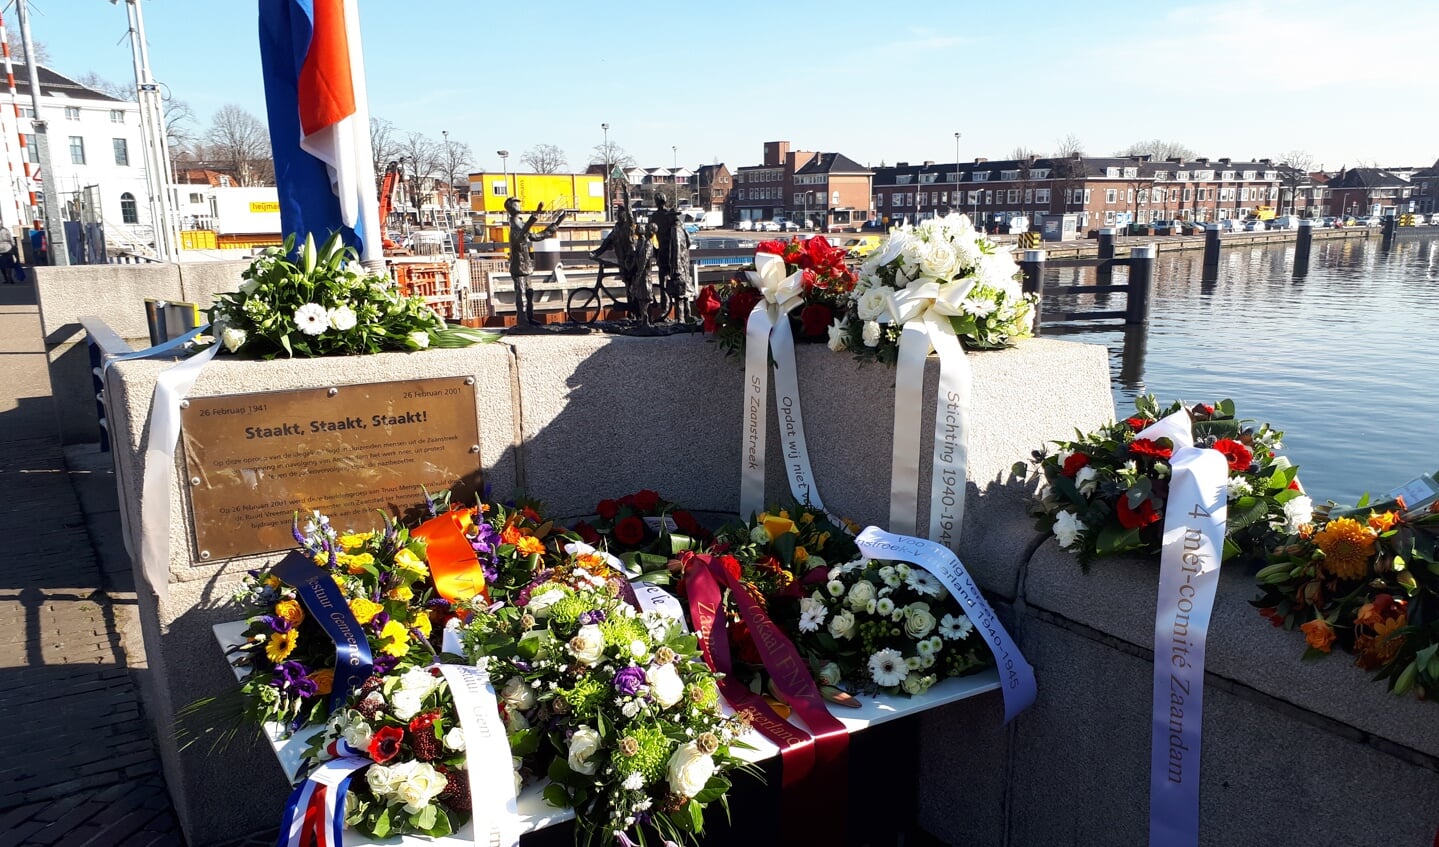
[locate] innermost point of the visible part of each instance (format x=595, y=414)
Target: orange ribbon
x=453, y=563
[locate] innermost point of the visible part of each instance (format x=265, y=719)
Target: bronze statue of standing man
x=522, y=256
x=673, y=257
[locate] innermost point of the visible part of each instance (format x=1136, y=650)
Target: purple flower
x=276, y=623
x=521, y=665
x=628, y=680
x=592, y=616
x=378, y=622
x=438, y=603
x=292, y=678
x=384, y=663
x=486, y=538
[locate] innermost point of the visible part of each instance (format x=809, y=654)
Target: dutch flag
x=319, y=121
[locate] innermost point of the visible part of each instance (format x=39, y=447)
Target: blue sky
x=877, y=82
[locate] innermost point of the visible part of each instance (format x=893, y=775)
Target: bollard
x=1131, y=358
x=1032, y=264
x=1211, y=245
x=1389, y=225
x=1141, y=277
x=1105, y=268
x=1301, y=247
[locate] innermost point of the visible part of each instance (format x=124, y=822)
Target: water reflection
x=1340, y=358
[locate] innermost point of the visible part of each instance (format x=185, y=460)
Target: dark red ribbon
x=814, y=764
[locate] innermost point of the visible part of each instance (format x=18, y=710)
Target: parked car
x=1168, y=227
x=1231, y=225
x=692, y=228
x=786, y=225
x=1285, y=222
x=767, y=226
x=1371, y=220
x=861, y=247
x=745, y=226
x=1327, y=221
x=1255, y=226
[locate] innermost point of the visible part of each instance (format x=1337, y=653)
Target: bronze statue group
x=630, y=248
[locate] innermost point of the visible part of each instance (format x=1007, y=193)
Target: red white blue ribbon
x=315, y=811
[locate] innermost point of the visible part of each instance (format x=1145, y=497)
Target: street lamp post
x=449, y=175
x=608, y=203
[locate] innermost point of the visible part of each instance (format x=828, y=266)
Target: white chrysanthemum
x=812, y=613
x=1298, y=512
x=887, y=667
x=955, y=627
x=1239, y=486
x=925, y=584
x=1087, y=480
x=341, y=318
x=759, y=535
x=311, y=319
x=1067, y=528
x=884, y=606
x=871, y=334
x=634, y=782
x=835, y=588
x=891, y=576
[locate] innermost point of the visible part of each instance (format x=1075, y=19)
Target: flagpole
x=372, y=252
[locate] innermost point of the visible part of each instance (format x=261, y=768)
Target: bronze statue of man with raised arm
x=522, y=256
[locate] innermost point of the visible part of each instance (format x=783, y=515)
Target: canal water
x=1343, y=359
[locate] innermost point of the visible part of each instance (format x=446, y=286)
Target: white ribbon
x=1016, y=676
x=1194, y=518
x=925, y=317
x=171, y=386
x=768, y=331
x=496, y=817
x=652, y=598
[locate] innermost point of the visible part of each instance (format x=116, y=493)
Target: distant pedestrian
x=7, y=255
x=39, y=247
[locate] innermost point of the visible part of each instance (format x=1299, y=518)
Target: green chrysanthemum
x=621, y=631
x=586, y=697
x=651, y=752
x=703, y=693
x=566, y=612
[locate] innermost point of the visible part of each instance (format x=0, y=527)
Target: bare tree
x=118, y=90
x=17, y=46
x=1157, y=149
x=1066, y=147
x=456, y=158
x=1294, y=170
x=421, y=157
x=179, y=125
x=614, y=155
x=545, y=159
x=384, y=144
x=1021, y=153
x=240, y=142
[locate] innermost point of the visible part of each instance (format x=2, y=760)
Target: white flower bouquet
x=943, y=272
x=322, y=303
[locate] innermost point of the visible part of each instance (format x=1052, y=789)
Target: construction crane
x=387, y=193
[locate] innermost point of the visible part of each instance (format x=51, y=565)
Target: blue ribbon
x=322, y=596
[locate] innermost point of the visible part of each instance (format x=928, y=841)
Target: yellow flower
x=1348, y=546
x=290, y=610
x=784, y=513
x=401, y=593
x=1384, y=522
x=422, y=623
x=777, y=526
x=529, y=545
x=801, y=555
x=399, y=638
x=821, y=541
x=365, y=610
x=272, y=582
x=405, y=560
x=355, y=540
x=280, y=645
x=322, y=559
x=807, y=518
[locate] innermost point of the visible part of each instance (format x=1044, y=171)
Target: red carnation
x=742, y=302
x=607, y=509
x=645, y=500
x=1074, y=463
x=1150, y=448
x=814, y=320
x=731, y=565
x=744, y=643
x=630, y=531
x=1238, y=455
x=385, y=744
x=707, y=305
x=587, y=533
x=775, y=247
x=1136, y=518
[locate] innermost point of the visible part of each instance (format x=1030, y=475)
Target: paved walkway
x=80, y=766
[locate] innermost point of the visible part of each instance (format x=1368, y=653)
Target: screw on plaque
x=469, y=380
x=184, y=404
x=194, y=480
x=204, y=554
x=474, y=448
x=334, y=391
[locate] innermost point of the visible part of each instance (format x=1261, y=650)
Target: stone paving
x=80, y=766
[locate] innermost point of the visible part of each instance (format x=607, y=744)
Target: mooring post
x=1032, y=264
x=1141, y=277
x=1301, y=247
x=1211, y=245
x=1390, y=224
x=1103, y=271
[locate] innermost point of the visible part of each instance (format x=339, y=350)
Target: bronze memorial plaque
x=254, y=460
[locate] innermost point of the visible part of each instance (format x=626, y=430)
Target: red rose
x=775, y=247
x=1204, y=409
x=742, y=302
x=1150, y=448
x=1238, y=455
x=630, y=531
x=1136, y=518
x=731, y=566
x=607, y=509
x=587, y=533
x=646, y=500
x=424, y=720
x=1074, y=463
x=707, y=305
x=686, y=522
x=820, y=251
x=814, y=320
x=1138, y=423
x=744, y=643
x=385, y=744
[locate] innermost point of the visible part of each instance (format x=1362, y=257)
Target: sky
x=1349, y=83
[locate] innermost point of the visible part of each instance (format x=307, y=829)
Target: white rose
x=380, y=780
x=455, y=740
x=584, y=744
x=342, y=318
x=938, y=259
x=233, y=338
x=871, y=334
x=665, y=684
x=420, y=783
x=918, y=621
x=516, y=721
x=1087, y=479
x=910, y=251
x=1068, y=528
x=837, y=332
x=690, y=770
x=517, y=694
x=540, y=604
x=861, y=594
x=830, y=674
x=842, y=624
x=870, y=304
x=358, y=735
x=419, y=339
x=588, y=645
x=409, y=695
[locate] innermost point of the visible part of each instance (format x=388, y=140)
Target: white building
x=95, y=152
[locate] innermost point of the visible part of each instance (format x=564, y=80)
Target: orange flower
x=1377, y=649
x=290, y=610
x=529, y=545
x=511, y=535
x=1319, y=634
x=531, y=514
x=1348, y=548
x=1384, y=522
x=1383, y=607
x=324, y=680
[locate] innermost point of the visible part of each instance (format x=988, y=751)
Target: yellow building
x=582, y=194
